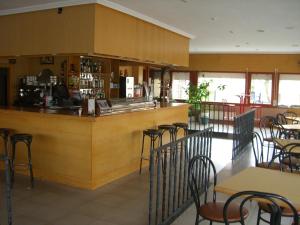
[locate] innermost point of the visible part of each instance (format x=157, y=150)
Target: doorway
x=3, y=86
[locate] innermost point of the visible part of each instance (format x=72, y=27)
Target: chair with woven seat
x=258, y=152
x=265, y=125
x=290, y=114
x=280, y=118
x=290, y=156
x=272, y=204
x=201, y=170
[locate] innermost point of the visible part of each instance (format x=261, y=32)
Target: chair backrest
x=201, y=171
x=280, y=118
x=275, y=203
x=265, y=124
x=278, y=131
x=290, y=114
x=289, y=152
x=257, y=147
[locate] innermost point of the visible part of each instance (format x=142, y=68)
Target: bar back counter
x=87, y=151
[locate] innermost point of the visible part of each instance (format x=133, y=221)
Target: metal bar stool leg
x=30, y=166
x=8, y=190
x=142, y=154
x=13, y=164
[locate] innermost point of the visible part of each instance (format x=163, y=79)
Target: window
x=288, y=91
x=234, y=84
x=261, y=89
x=180, y=82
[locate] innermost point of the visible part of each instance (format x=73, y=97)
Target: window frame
x=278, y=81
x=249, y=78
x=239, y=72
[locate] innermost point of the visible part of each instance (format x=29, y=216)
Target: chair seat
x=272, y=166
x=213, y=211
x=294, y=161
x=268, y=139
x=285, y=211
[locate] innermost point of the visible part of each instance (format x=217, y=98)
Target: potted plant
x=197, y=94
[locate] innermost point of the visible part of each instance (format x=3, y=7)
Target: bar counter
x=86, y=151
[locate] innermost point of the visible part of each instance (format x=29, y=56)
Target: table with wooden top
x=293, y=118
x=263, y=180
x=291, y=127
x=283, y=142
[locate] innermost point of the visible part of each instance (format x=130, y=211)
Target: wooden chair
x=258, y=151
x=290, y=157
x=280, y=118
x=201, y=170
x=265, y=124
x=290, y=114
x=272, y=203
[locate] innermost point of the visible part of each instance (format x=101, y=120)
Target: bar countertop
x=73, y=112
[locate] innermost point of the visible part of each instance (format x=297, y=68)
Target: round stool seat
x=181, y=125
x=21, y=137
x=152, y=132
x=167, y=127
x=4, y=132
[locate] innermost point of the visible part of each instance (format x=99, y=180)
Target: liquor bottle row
x=90, y=65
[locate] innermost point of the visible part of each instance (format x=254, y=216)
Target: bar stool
x=171, y=129
x=4, y=134
x=179, y=126
x=153, y=134
x=26, y=139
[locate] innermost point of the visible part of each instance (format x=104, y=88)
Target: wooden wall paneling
x=107, y=31
x=61, y=146
x=46, y=32
x=9, y=35
x=287, y=63
x=116, y=154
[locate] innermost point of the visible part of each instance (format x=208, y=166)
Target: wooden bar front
x=86, y=152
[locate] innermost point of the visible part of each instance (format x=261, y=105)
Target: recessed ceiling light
x=237, y=46
x=213, y=18
x=289, y=27
x=247, y=43
x=295, y=45
x=260, y=30
x=231, y=31
x=257, y=49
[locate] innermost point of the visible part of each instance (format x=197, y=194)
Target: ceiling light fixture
x=237, y=46
x=260, y=30
x=289, y=28
x=231, y=31
x=295, y=45
x=213, y=18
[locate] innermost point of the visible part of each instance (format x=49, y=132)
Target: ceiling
x=217, y=26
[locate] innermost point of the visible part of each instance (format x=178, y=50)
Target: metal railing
x=8, y=199
x=169, y=193
x=242, y=132
x=219, y=116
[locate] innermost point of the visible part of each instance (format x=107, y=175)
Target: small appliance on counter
x=126, y=87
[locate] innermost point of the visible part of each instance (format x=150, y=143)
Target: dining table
x=291, y=127
x=293, y=118
x=283, y=142
x=263, y=180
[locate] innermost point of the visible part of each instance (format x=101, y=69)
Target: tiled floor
x=124, y=202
